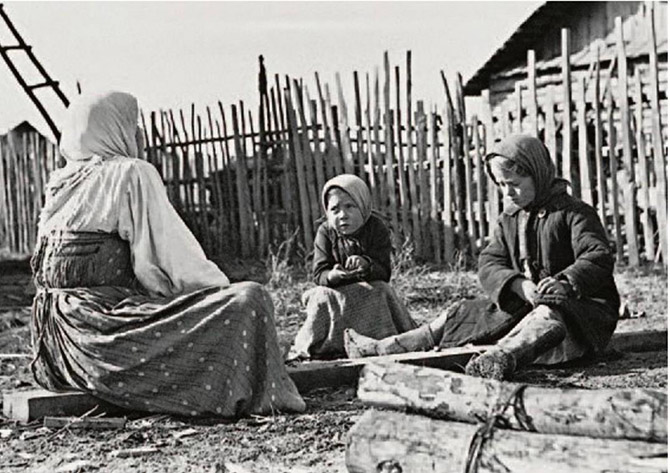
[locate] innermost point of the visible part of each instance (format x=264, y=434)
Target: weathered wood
x=467, y=160
x=492, y=191
x=388, y=152
x=392, y=441
x=518, y=102
x=319, y=374
x=585, y=174
x=26, y=406
x=598, y=145
x=421, y=157
x=412, y=171
x=567, y=101
x=479, y=178
x=434, y=202
x=657, y=138
x=447, y=217
x=532, y=92
x=630, y=207
x=634, y=414
x=614, y=188
x=94, y=423
x=643, y=174
x=647, y=340
x=402, y=183
x=345, y=141
x=360, y=153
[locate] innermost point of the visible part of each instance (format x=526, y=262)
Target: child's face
x=518, y=189
x=342, y=212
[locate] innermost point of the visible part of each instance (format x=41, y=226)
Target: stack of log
x=446, y=422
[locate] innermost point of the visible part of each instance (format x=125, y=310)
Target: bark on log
x=639, y=414
x=404, y=443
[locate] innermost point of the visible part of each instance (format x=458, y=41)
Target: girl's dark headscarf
x=531, y=155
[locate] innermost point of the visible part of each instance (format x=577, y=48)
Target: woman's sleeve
x=379, y=253
x=323, y=257
x=594, y=261
x=495, y=268
x=167, y=259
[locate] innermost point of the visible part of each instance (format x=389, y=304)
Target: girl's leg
x=421, y=338
x=540, y=331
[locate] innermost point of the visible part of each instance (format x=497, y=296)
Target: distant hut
x=592, y=29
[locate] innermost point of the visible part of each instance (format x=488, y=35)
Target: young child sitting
x=352, y=267
x=548, y=272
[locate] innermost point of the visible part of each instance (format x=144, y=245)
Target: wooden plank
x=360, y=153
x=318, y=156
x=378, y=154
x=614, y=188
x=328, y=132
x=26, y=406
x=388, y=153
x=657, y=138
x=233, y=216
x=411, y=164
x=479, y=178
x=244, y=210
x=598, y=145
x=434, y=188
x=424, y=194
x=371, y=160
x=585, y=174
x=402, y=184
x=518, y=101
x=300, y=173
x=345, y=140
x=257, y=209
x=532, y=91
x=643, y=174
x=630, y=204
x=447, y=216
x=566, y=158
x=319, y=374
x=492, y=191
x=640, y=341
x=87, y=423
x=306, y=155
x=457, y=175
x=467, y=159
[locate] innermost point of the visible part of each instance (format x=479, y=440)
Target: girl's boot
x=359, y=346
x=537, y=333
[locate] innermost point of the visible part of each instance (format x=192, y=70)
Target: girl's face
x=342, y=212
x=516, y=188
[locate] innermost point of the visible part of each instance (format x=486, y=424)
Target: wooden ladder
x=22, y=47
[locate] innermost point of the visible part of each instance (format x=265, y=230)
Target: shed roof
x=526, y=36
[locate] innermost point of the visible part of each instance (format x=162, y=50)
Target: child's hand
x=356, y=262
x=526, y=289
x=552, y=291
x=338, y=275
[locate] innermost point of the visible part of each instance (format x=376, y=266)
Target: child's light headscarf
x=355, y=187
x=531, y=155
x=103, y=124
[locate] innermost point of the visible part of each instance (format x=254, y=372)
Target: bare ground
x=310, y=442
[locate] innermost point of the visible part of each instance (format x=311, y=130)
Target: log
x=392, y=441
x=634, y=414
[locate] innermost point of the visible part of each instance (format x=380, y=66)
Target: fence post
x=647, y=227
x=567, y=105
x=402, y=185
x=532, y=90
x=584, y=163
x=388, y=152
x=598, y=145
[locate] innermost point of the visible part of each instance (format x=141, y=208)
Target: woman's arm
x=167, y=259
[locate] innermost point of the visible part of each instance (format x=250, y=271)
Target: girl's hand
x=356, y=262
x=553, y=291
x=338, y=275
x=525, y=289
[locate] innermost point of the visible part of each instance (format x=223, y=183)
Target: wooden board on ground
x=30, y=405
x=320, y=374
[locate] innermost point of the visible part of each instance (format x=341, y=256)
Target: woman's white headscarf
x=103, y=124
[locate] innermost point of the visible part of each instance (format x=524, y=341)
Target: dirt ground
x=310, y=442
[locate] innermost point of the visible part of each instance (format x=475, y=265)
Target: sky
x=172, y=54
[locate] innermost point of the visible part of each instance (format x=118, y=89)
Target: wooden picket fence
x=245, y=180
x=26, y=160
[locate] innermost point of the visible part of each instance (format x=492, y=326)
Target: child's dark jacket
x=372, y=240
x=567, y=241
